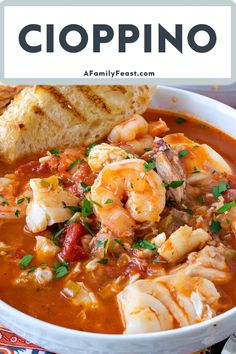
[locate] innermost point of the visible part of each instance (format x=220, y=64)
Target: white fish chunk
x=48, y=204
x=183, y=241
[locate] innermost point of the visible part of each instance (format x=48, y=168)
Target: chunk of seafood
x=168, y=166
x=200, y=161
x=209, y=263
x=41, y=276
x=155, y=305
x=45, y=248
x=124, y=192
x=136, y=133
x=48, y=204
x=79, y=294
x=103, y=154
x=183, y=241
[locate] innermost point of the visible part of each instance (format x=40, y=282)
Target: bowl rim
x=60, y=330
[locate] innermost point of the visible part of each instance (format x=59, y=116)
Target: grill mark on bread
x=63, y=101
x=120, y=88
x=94, y=98
x=38, y=111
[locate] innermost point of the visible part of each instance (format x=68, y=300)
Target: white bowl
x=180, y=341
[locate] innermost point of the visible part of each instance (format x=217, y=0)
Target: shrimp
x=200, y=161
x=103, y=154
x=136, y=133
x=125, y=193
x=156, y=304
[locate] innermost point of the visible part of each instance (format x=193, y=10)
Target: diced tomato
x=232, y=180
x=72, y=249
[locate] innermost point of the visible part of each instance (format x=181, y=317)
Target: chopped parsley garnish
x=159, y=261
x=55, y=152
x=87, y=208
x=73, y=164
x=74, y=208
x=215, y=226
x=1, y=196
x=228, y=221
x=5, y=203
x=32, y=269
x=85, y=187
x=95, y=203
x=103, y=261
x=222, y=187
x=25, y=261
x=173, y=184
x=147, y=149
x=144, y=244
x=149, y=165
x=119, y=242
x=108, y=201
x=226, y=207
x=27, y=199
x=180, y=120
x=200, y=198
x=58, y=233
x=105, y=247
x=99, y=243
x=87, y=226
x=19, y=201
x=202, y=126
x=60, y=269
x=188, y=211
x=86, y=154
x=183, y=153
x=17, y=213
x=195, y=170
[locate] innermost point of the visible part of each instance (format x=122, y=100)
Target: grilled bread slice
x=44, y=117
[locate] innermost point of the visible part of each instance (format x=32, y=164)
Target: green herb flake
x=17, y=213
x=99, y=243
x=1, y=196
x=147, y=149
x=27, y=199
x=202, y=126
x=159, y=261
x=228, y=221
x=195, y=170
x=74, y=208
x=55, y=152
x=32, y=269
x=20, y=201
x=215, y=226
x=87, y=208
x=25, y=261
x=87, y=226
x=149, y=165
x=108, y=201
x=103, y=261
x=90, y=147
x=85, y=187
x=58, y=233
x=226, y=207
x=5, y=203
x=60, y=269
x=183, y=153
x=144, y=244
x=222, y=187
x=174, y=184
x=73, y=164
x=188, y=211
x=180, y=120
x=105, y=247
x=200, y=198
x=119, y=242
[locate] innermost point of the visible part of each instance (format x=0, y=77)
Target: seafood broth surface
x=82, y=273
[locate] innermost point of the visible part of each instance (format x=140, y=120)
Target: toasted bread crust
x=43, y=117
